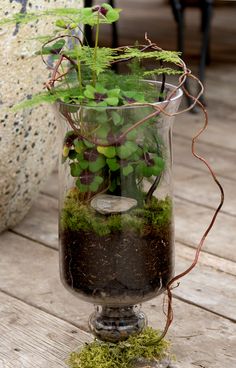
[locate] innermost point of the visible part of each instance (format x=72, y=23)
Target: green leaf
x=102, y=131
x=112, y=14
x=79, y=145
x=88, y=17
x=109, y=152
x=126, y=149
x=82, y=187
x=97, y=165
x=55, y=48
x=89, y=92
x=137, y=96
x=101, y=117
x=159, y=71
x=65, y=151
x=104, y=57
x=98, y=179
x=113, y=164
x=144, y=170
x=75, y=169
x=93, y=187
x=112, y=101
x=127, y=170
x=132, y=135
x=35, y=100
x=100, y=89
x=113, y=185
x=95, y=184
x=116, y=118
x=83, y=164
x=61, y=23
x=88, y=144
x=114, y=92
x=159, y=166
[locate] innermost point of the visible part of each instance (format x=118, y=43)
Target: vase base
x=116, y=324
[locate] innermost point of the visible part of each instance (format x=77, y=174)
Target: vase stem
x=116, y=323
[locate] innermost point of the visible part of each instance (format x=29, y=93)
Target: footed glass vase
x=116, y=210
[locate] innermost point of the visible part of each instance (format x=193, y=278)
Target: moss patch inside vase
x=78, y=216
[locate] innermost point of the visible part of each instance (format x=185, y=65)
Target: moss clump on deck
x=78, y=216
x=123, y=354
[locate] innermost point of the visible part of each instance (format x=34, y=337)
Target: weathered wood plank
x=191, y=221
x=187, y=125
x=220, y=286
x=41, y=223
x=31, y=338
x=206, y=287
x=199, y=340
x=198, y=336
x=209, y=260
x=222, y=160
x=200, y=188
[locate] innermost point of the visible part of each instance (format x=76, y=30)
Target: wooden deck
x=40, y=322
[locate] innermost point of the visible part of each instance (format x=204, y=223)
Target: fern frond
x=37, y=99
x=169, y=56
x=85, y=54
x=77, y=16
x=166, y=56
x=48, y=97
x=20, y=18
x=159, y=71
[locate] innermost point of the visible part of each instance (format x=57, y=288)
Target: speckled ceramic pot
x=28, y=146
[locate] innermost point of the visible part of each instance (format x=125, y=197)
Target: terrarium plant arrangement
x=116, y=207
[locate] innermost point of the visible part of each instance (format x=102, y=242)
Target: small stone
x=107, y=204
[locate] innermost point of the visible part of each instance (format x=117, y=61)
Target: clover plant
x=83, y=76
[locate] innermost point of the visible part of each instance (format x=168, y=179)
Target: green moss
x=158, y=213
x=123, y=354
x=79, y=216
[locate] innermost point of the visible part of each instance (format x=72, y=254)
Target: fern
x=36, y=100
x=163, y=55
x=33, y=16
x=160, y=71
x=169, y=56
x=103, y=60
x=64, y=95
x=73, y=15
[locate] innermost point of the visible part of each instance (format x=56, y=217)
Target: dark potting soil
x=119, y=268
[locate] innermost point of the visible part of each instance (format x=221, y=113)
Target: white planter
x=28, y=146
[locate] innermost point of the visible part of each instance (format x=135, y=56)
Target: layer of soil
x=117, y=269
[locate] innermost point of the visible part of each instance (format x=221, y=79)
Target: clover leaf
x=126, y=170
x=153, y=167
x=88, y=182
x=75, y=169
x=113, y=164
x=109, y=152
x=126, y=149
x=98, y=164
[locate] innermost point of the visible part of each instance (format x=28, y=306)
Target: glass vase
x=116, y=209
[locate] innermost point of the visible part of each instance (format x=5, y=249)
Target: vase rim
x=171, y=87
